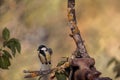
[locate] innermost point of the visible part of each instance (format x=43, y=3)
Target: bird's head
x=43, y=48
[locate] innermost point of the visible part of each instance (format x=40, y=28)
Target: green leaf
x=11, y=46
x=67, y=70
x=7, y=54
x=16, y=44
x=6, y=60
x=5, y=34
x=60, y=76
x=4, y=43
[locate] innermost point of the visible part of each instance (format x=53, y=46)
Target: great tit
x=44, y=54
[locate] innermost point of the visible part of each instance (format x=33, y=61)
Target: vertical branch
x=82, y=65
x=81, y=49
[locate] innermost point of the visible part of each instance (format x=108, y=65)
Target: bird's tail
x=45, y=67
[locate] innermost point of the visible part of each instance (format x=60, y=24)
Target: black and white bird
x=44, y=54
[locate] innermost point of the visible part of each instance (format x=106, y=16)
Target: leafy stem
x=12, y=44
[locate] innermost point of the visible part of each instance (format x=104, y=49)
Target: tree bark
x=81, y=49
x=82, y=64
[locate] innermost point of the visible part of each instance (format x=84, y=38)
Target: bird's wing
x=42, y=58
x=48, y=57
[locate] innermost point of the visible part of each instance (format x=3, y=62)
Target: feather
x=42, y=59
x=48, y=57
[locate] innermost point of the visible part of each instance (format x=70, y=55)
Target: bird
x=44, y=54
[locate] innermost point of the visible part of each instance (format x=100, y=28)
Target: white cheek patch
x=44, y=48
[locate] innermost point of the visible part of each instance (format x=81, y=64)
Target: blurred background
x=36, y=22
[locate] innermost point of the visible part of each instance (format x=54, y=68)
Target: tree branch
x=81, y=49
x=82, y=63
x=32, y=74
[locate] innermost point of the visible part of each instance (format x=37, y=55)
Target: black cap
x=41, y=46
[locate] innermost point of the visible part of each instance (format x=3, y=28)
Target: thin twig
x=45, y=72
